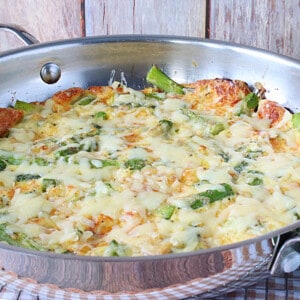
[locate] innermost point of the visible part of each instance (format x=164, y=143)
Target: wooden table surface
x=268, y=24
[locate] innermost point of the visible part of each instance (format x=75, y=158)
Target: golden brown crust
x=271, y=110
x=8, y=118
x=103, y=93
x=217, y=94
x=64, y=99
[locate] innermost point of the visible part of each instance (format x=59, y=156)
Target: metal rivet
x=50, y=72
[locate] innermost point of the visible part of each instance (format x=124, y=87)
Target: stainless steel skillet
x=37, y=71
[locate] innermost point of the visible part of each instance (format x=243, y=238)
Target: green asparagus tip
x=158, y=78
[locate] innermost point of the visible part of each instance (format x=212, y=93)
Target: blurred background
x=268, y=24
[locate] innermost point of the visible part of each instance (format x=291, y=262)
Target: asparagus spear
x=158, y=78
x=18, y=239
x=27, y=107
x=296, y=120
x=212, y=195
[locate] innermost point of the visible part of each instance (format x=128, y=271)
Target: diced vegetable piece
x=193, y=115
x=116, y=249
x=248, y=104
x=27, y=177
x=254, y=154
x=86, y=100
x=212, y=195
x=225, y=156
x=135, y=164
x=49, y=182
x=254, y=177
x=102, y=163
x=2, y=165
x=25, y=106
x=10, y=159
x=217, y=128
x=166, y=211
x=241, y=166
x=94, y=131
x=68, y=151
x=18, y=239
x=158, y=78
x=101, y=115
x=14, y=160
x=156, y=96
x=296, y=120
x=256, y=181
x=40, y=161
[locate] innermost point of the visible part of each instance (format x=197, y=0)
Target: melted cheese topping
x=132, y=174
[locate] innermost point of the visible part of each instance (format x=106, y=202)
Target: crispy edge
x=217, y=94
x=8, y=118
x=271, y=110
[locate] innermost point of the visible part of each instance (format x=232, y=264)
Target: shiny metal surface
x=92, y=61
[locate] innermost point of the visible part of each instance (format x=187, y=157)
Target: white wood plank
x=272, y=25
x=170, y=17
x=46, y=20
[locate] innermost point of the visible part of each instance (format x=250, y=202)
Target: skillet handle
x=287, y=254
x=20, y=32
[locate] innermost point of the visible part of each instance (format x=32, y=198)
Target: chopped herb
x=135, y=164
x=225, y=156
x=49, y=182
x=248, y=104
x=256, y=181
x=2, y=165
x=253, y=154
x=240, y=167
x=255, y=172
x=27, y=177
x=68, y=151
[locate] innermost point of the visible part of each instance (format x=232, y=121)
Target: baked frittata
x=113, y=171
